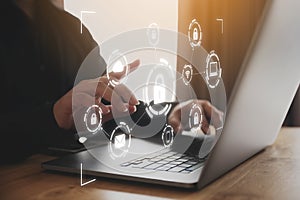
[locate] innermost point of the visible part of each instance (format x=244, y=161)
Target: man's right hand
x=92, y=91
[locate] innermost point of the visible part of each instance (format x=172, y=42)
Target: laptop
x=257, y=106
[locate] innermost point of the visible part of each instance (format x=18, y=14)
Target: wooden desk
x=272, y=174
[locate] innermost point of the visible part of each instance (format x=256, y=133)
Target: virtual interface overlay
x=165, y=95
x=177, y=72
x=228, y=27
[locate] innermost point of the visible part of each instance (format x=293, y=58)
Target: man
x=41, y=51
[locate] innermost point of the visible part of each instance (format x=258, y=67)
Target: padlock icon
x=159, y=90
x=153, y=34
x=195, y=34
x=196, y=119
x=93, y=119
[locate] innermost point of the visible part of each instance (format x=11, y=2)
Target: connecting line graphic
x=81, y=21
x=222, y=21
x=81, y=183
x=201, y=73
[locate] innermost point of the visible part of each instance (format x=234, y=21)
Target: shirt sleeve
x=36, y=70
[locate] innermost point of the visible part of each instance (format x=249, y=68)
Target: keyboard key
x=195, y=167
x=126, y=164
x=185, y=165
x=185, y=171
x=166, y=161
x=162, y=156
x=175, y=162
x=153, y=166
x=162, y=162
x=136, y=162
x=170, y=165
x=143, y=164
x=169, y=159
x=163, y=168
x=192, y=162
x=176, y=156
x=176, y=169
x=183, y=159
x=155, y=159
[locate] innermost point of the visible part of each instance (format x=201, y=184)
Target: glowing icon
x=153, y=34
x=168, y=136
x=196, y=118
x=195, y=34
x=117, y=62
x=213, y=69
x=187, y=74
x=93, y=119
x=118, y=66
x=159, y=91
x=82, y=140
x=120, y=141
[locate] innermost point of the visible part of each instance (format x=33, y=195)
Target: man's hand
x=179, y=116
x=89, y=92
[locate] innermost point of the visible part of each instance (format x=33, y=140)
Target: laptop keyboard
x=166, y=161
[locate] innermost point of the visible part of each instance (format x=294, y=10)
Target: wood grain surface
x=272, y=174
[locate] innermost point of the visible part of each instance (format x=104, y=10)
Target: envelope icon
x=120, y=141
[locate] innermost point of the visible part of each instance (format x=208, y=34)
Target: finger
x=104, y=108
x=134, y=65
x=205, y=125
x=126, y=94
x=115, y=95
x=89, y=86
x=207, y=108
x=185, y=108
x=109, y=116
x=214, y=116
x=131, y=67
x=176, y=124
x=83, y=100
x=217, y=118
x=174, y=119
x=117, y=102
x=132, y=109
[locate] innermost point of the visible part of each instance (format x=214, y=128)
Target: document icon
x=213, y=69
x=120, y=141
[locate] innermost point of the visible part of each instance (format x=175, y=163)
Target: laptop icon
x=213, y=69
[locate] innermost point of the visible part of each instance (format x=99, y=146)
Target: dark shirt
x=39, y=60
